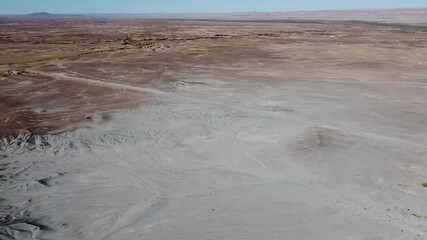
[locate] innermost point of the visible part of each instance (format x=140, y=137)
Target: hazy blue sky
x=149, y=6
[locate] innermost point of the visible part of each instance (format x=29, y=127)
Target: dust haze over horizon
x=193, y=6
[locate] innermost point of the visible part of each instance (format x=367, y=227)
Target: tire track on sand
x=113, y=85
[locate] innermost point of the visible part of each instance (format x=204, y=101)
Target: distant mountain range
x=411, y=16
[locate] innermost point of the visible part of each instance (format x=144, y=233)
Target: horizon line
x=225, y=12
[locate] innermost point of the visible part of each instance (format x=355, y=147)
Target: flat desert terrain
x=208, y=129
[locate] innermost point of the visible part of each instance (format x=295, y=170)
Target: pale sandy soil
x=273, y=131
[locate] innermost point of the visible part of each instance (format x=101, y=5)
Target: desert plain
x=212, y=129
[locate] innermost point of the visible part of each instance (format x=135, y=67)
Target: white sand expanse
x=288, y=159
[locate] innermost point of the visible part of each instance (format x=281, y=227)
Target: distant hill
x=51, y=15
x=44, y=14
